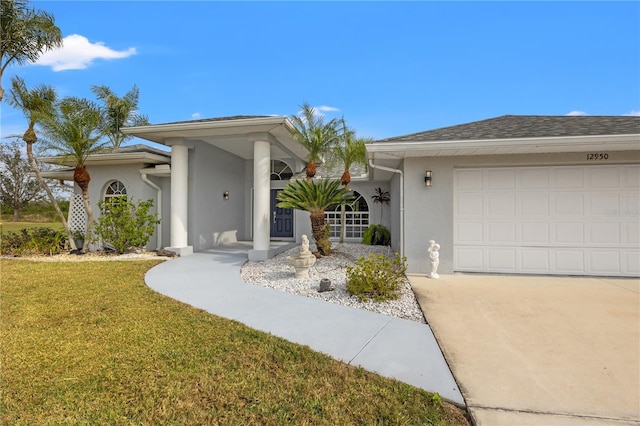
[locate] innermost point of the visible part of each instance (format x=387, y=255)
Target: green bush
x=34, y=241
x=376, y=235
x=376, y=277
x=125, y=225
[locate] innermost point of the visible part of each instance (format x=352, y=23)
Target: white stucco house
x=512, y=194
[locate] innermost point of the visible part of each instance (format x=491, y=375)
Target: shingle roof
x=529, y=126
x=233, y=117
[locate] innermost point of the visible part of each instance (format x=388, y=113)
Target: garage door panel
x=501, y=205
x=567, y=178
x=469, y=232
x=568, y=204
x=604, y=262
x=534, y=261
x=602, y=204
x=534, y=178
x=605, y=233
x=568, y=220
x=631, y=234
x=604, y=177
x=469, y=205
x=631, y=266
x=535, y=233
x=469, y=179
x=501, y=233
x=568, y=233
x=501, y=179
x=468, y=258
x=501, y=259
x=568, y=261
x=534, y=205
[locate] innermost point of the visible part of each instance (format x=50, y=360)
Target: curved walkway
x=392, y=347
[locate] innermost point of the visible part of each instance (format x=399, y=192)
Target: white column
x=179, y=199
x=261, y=200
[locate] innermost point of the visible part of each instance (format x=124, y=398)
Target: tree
x=313, y=133
x=17, y=186
x=25, y=34
x=381, y=197
x=348, y=151
x=73, y=132
x=119, y=112
x=35, y=104
x=315, y=197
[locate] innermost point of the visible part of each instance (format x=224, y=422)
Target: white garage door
x=573, y=220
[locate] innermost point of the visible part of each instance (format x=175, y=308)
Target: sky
x=388, y=68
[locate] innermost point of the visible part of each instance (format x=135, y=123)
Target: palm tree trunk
x=319, y=232
x=311, y=170
x=89, y=210
x=54, y=202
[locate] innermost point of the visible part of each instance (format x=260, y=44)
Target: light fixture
x=226, y=195
x=427, y=178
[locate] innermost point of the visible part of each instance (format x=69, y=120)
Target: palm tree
x=315, y=197
x=35, y=103
x=74, y=133
x=119, y=112
x=349, y=151
x=25, y=33
x=313, y=133
x=382, y=197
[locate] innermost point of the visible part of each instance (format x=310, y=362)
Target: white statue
x=304, y=247
x=304, y=260
x=434, y=258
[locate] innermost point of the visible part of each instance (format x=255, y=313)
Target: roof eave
x=504, y=146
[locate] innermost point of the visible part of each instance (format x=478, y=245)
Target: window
x=115, y=189
x=280, y=170
x=356, y=218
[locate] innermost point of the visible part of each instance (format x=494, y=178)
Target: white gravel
x=279, y=274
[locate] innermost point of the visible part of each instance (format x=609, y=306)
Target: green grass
x=7, y=227
x=89, y=343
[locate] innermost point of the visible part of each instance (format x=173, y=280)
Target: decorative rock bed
x=279, y=274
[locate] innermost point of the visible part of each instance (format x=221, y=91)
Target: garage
x=559, y=220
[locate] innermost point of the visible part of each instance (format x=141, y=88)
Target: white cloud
x=633, y=113
x=576, y=113
x=196, y=116
x=77, y=53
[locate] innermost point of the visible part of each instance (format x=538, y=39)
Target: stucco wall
x=212, y=172
x=137, y=190
x=429, y=211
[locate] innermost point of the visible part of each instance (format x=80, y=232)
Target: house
x=512, y=194
x=518, y=194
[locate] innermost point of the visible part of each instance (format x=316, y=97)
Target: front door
x=281, y=219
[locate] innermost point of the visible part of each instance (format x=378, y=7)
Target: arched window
x=356, y=218
x=114, y=190
x=280, y=170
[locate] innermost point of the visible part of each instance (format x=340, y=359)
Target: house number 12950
x=598, y=156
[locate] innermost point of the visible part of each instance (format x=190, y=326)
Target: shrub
x=34, y=241
x=376, y=277
x=125, y=225
x=376, y=235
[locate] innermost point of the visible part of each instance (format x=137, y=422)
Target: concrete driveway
x=539, y=350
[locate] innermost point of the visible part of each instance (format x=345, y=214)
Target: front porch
x=245, y=247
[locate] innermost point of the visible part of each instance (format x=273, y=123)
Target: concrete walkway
x=539, y=350
x=392, y=347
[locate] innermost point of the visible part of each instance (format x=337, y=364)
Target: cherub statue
x=434, y=258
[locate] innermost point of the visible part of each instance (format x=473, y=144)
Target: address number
x=594, y=156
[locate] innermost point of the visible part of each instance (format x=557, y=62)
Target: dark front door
x=281, y=219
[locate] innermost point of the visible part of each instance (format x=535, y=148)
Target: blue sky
x=391, y=68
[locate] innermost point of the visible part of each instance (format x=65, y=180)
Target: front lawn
x=6, y=227
x=89, y=343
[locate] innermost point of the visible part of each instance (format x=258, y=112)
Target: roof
x=528, y=126
x=230, y=118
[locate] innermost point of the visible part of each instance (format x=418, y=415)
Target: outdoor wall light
x=226, y=195
x=427, y=178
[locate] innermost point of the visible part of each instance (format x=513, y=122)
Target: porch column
x=179, y=199
x=261, y=200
